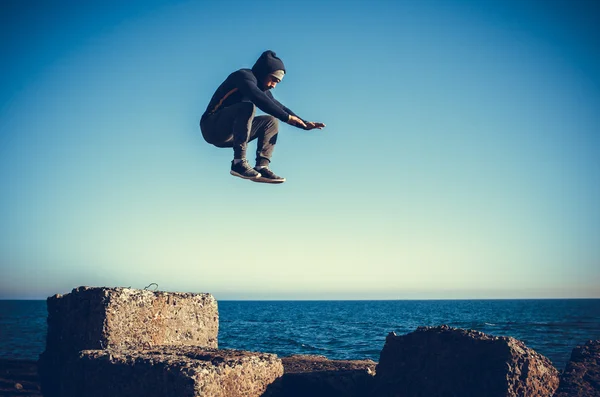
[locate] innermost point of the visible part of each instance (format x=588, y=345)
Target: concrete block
x=169, y=371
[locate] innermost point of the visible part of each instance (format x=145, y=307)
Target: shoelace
x=267, y=172
x=245, y=165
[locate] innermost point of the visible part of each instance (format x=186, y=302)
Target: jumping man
x=229, y=120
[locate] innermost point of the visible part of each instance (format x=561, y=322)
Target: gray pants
x=236, y=125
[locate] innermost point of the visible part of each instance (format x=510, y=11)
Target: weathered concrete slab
x=444, y=361
x=582, y=373
x=169, y=371
x=317, y=376
x=123, y=318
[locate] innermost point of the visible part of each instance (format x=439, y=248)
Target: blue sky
x=461, y=157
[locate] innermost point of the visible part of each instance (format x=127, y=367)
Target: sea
x=351, y=330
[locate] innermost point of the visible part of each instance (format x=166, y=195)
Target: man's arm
x=294, y=119
x=308, y=125
x=265, y=103
x=284, y=108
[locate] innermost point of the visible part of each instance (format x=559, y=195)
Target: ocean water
x=352, y=329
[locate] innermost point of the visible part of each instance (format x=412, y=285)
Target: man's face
x=270, y=82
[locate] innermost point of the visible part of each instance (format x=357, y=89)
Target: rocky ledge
x=123, y=342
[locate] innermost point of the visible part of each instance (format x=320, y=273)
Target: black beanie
x=267, y=63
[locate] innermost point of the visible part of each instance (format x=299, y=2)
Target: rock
x=582, y=373
x=444, y=361
x=306, y=375
x=123, y=318
x=169, y=371
x=99, y=318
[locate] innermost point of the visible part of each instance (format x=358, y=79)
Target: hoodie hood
x=267, y=63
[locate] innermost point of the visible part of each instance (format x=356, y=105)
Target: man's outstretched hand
x=309, y=125
x=313, y=124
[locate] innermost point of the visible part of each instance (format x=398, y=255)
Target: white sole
x=267, y=180
x=244, y=177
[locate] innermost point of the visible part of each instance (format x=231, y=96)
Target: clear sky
x=461, y=157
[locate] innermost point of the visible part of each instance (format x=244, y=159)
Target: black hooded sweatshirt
x=243, y=85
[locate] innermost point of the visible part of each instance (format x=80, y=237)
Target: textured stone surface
x=99, y=318
x=444, y=361
x=169, y=371
x=316, y=376
x=123, y=318
x=582, y=374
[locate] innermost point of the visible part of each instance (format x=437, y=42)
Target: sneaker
x=268, y=176
x=243, y=170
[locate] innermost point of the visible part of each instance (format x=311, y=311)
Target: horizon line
x=362, y=300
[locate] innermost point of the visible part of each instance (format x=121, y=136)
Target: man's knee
x=272, y=123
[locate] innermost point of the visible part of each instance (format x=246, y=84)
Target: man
x=229, y=120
